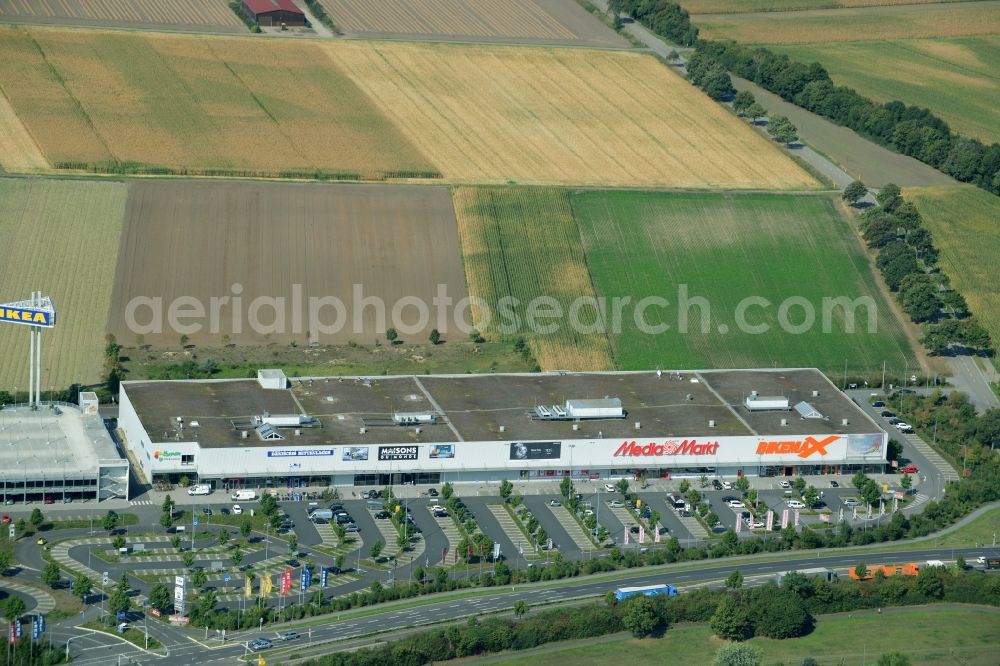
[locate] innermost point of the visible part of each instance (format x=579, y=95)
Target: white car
x=981, y=560
x=437, y=507
x=615, y=504
x=727, y=485
x=609, y=487
x=785, y=484
x=796, y=504
x=904, y=427
x=758, y=525
x=735, y=504
x=588, y=512
x=237, y=510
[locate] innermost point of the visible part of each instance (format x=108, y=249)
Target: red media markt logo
x=686, y=447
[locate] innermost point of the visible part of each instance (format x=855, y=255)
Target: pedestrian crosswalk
x=145, y=502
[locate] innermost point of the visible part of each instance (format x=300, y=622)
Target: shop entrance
x=789, y=471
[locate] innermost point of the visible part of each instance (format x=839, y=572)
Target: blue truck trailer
x=623, y=593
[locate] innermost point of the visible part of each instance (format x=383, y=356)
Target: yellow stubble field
x=495, y=114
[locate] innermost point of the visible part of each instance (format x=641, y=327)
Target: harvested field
x=956, y=78
x=493, y=114
x=744, y=6
x=287, y=241
x=523, y=243
x=956, y=19
x=18, y=151
x=536, y=21
x=208, y=15
x=60, y=237
x=785, y=252
x=963, y=221
x=132, y=102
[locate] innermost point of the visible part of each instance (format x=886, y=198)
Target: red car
x=909, y=469
x=48, y=499
x=6, y=519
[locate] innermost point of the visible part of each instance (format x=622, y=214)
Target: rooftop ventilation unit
x=764, y=403
x=807, y=411
x=413, y=418
x=579, y=410
x=286, y=420
x=272, y=379
x=267, y=433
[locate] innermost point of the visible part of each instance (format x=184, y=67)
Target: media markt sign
x=686, y=447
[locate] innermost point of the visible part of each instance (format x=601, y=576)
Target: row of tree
x=907, y=259
x=906, y=129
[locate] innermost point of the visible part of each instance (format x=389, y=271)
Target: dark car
x=336, y=507
x=432, y=492
x=885, y=413
x=834, y=484
x=207, y=511
x=716, y=484
x=224, y=511
x=383, y=515
x=634, y=529
x=730, y=498
x=878, y=403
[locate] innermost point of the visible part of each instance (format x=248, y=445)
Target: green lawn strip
x=927, y=634
x=132, y=635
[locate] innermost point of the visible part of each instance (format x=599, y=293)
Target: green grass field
x=60, y=237
x=956, y=78
x=928, y=635
x=964, y=223
x=520, y=244
x=981, y=530
x=727, y=248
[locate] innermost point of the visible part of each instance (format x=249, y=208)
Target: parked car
x=6, y=519
x=48, y=499
x=785, y=484
x=886, y=414
x=727, y=485
x=352, y=527
x=878, y=403
x=909, y=469
x=441, y=514
x=834, y=484
x=664, y=530
x=904, y=427
x=609, y=487
x=729, y=498
x=588, y=512
x=555, y=503
x=383, y=515
x=237, y=509
x=894, y=421
x=796, y=504
x=634, y=529
x=851, y=501
x=41, y=542
x=207, y=511
x=716, y=484
x=432, y=492
x=734, y=504
x=615, y=504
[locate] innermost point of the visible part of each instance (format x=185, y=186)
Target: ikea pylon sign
x=28, y=316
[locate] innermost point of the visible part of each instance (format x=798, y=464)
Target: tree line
x=907, y=259
x=906, y=129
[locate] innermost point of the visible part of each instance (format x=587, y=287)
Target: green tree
x=51, y=574
x=124, y=584
x=14, y=608
x=739, y=654
x=110, y=521
x=237, y=557
x=160, y=597
x=293, y=544
x=506, y=488
x=734, y=580
x=175, y=541
x=165, y=520
x=712, y=520
x=754, y=112
x=118, y=542
x=622, y=486
x=640, y=616
x=800, y=484
x=905, y=482
x=888, y=196
x=779, y=613
x=82, y=587
x=731, y=621
x=870, y=492
x=168, y=505
x=742, y=101
x=435, y=336
x=6, y=559
x=811, y=497
x=188, y=558
x=339, y=561
x=960, y=562
x=36, y=518
x=684, y=486
x=929, y=582
x=854, y=192
x=199, y=578
x=566, y=487
x=893, y=659
x=861, y=570
x=447, y=490
x=268, y=505
x=118, y=601
x=376, y=549
x=520, y=608
x=718, y=84
x=246, y=527
x=858, y=480
x=391, y=335
x=341, y=533
x=206, y=602
x=743, y=483
x=782, y=129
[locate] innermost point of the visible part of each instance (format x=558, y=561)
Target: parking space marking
x=573, y=529
x=509, y=527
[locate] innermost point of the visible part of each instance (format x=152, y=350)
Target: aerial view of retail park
x=399, y=332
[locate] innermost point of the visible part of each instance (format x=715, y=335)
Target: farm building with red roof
x=274, y=12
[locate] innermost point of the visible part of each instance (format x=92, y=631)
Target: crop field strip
x=744, y=6
x=112, y=101
x=18, y=150
x=523, y=243
x=956, y=78
x=199, y=238
x=963, y=221
x=957, y=19
x=62, y=237
x=724, y=248
x=498, y=20
x=191, y=14
x=495, y=114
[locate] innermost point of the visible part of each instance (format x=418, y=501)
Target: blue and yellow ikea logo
x=27, y=316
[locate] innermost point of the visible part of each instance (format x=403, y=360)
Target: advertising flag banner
x=770, y=520
x=854, y=513
x=824, y=517
x=549, y=544
x=895, y=505
x=444, y=555
x=626, y=536
x=841, y=514
x=796, y=517
x=286, y=581
x=520, y=549
x=784, y=518
x=41, y=623
x=469, y=552
x=456, y=554
x=656, y=534
x=642, y=534
x=881, y=507
x=266, y=585
x=324, y=577
x=17, y=625
x=248, y=587
x=739, y=524
x=496, y=551
x=869, y=512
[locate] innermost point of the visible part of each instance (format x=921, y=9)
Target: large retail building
x=465, y=428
